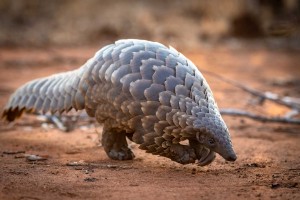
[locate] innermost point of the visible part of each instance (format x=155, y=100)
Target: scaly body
x=141, y=90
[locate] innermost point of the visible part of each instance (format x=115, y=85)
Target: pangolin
x=138, y=89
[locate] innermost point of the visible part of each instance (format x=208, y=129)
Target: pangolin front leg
x=183, y=154
x=204, y=155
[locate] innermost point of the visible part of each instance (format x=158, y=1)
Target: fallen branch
x=242, y=113
x=291, y=102
x=57, y=121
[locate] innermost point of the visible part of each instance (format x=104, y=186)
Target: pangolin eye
x=211, y=141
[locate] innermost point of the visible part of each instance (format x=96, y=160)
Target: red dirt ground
x=268, y=164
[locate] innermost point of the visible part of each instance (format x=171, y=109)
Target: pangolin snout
x=228, y=154
x=231, y=158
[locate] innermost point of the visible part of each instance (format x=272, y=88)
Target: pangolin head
x=214, y=135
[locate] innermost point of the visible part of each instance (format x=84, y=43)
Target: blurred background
x=188, y=23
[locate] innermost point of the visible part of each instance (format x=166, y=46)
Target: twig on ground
x=242, y=113
x=13, y=152
x=58, y=122
x=291, y=102
x=292, y=113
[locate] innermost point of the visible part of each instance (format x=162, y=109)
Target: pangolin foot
x=182, y=154
x=122, y=154
x=207, y=159
x=204, y=155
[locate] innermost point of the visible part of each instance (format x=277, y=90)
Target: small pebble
x=75, y=163
x=35, y=158
x=275, y=185
x=90, y=179
x=112, y=166
x=194, y=171
x=79, y=167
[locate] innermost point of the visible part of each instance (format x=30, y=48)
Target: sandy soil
x=268, y=165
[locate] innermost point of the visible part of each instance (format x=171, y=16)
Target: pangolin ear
x=200, y=137
x=203, y=136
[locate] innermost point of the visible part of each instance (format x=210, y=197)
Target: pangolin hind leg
x=115, y=144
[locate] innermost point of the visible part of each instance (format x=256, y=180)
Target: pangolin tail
x=57, y=93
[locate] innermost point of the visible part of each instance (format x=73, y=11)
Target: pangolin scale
x=141, y=90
